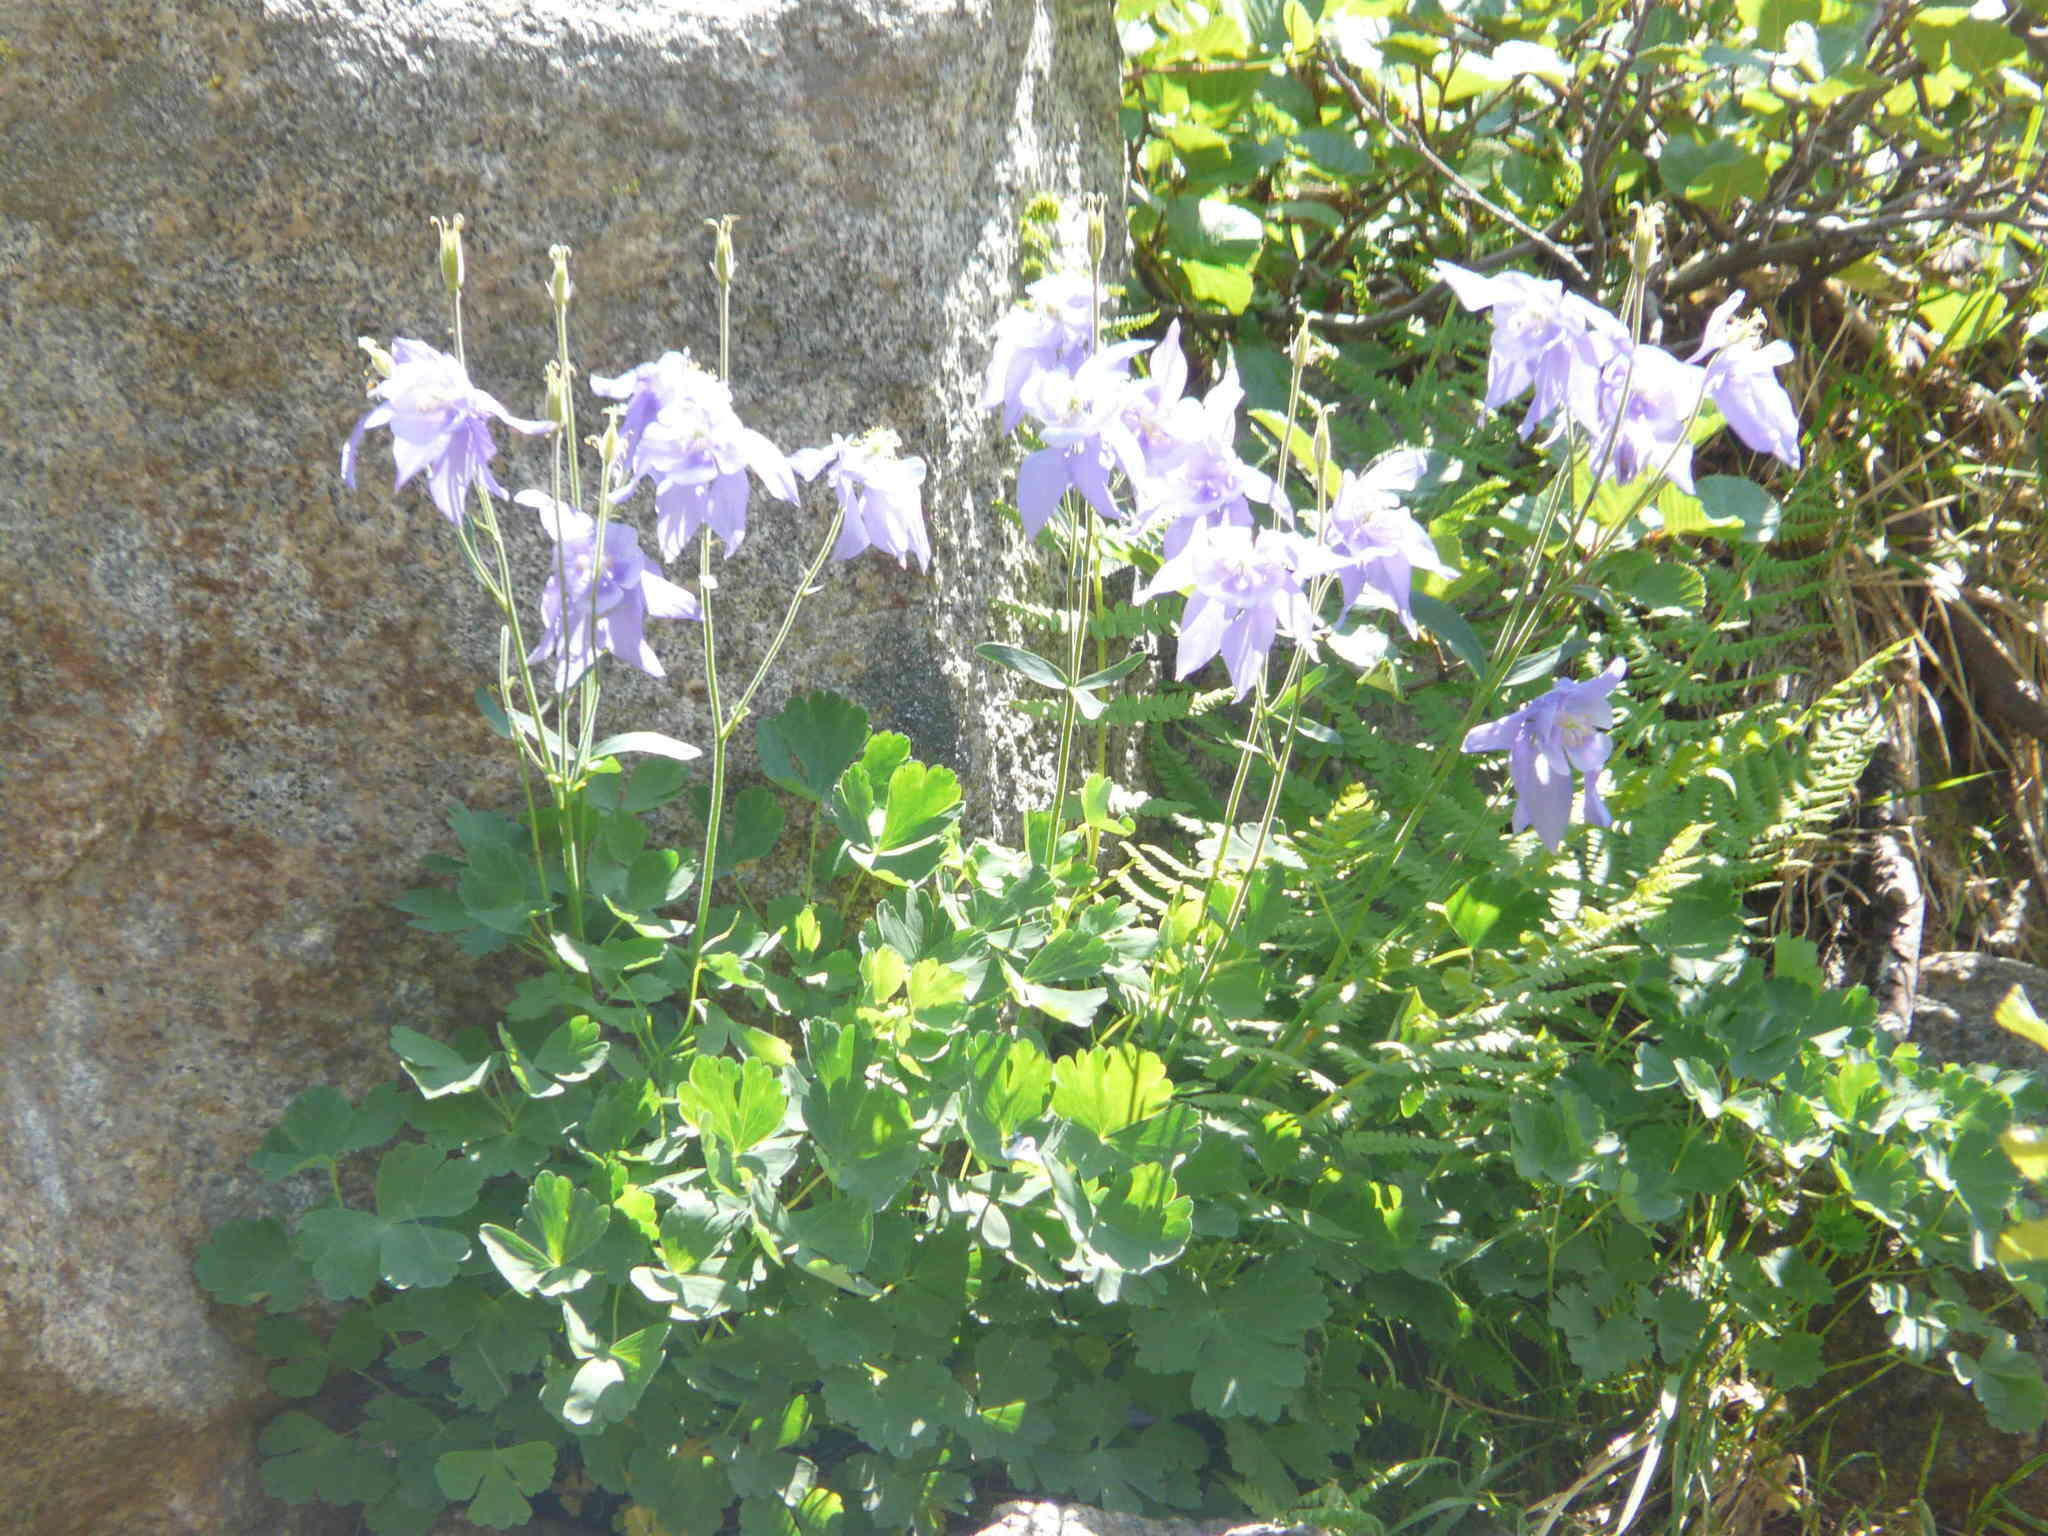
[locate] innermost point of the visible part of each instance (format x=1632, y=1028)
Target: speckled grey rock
x=238, y=698
x=1959, y=992
x=1044, y=1517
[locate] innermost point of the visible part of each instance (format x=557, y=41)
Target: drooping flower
x=1052, y=331
x=1244, y=588
x=1648, y=400
x=440, y=426
x=1193, y=477
x=679, y=430
x=1545, y=740
x=879, y=495
x=1163, y=419
x=1544, y=339
x=595, y=603
x=1378, y=541
x=1742, y=380
x=1080, y=421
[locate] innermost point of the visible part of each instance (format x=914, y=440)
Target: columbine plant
x=948, y=1160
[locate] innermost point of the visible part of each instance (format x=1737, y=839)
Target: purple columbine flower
x=1193, y=476
x=439, y=424
x=1544, y=339
x=680, y=431
x=1210, y=487
x=1648, y=400
x=1052, y=331
x=1247, y=588
x=1545, y=740
x=1377, y=540
x=592, y=605
x=1080, y=421
x=879, y=495
x=1742, y=380
x=1163, y=419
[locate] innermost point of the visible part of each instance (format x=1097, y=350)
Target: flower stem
x=713, y=811
x=1079, y=562
x=804, y=589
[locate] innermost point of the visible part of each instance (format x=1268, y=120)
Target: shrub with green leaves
x=1293, y=1136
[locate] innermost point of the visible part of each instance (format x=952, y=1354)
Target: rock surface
x=1959, y=993
x=239, y=697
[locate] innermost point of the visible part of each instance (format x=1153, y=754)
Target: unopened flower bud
x=1319, y=445
x=1307, y=349
x=380, y=359
x=1098, y=237
x=560, y=289
x=1649, y=238
x=451, y=252
x=722, y=264
x=558, y=393
x=607, y=441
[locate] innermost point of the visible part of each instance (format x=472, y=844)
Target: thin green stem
x=714, y=811
x=1082, y=553
x=796, y=602
x=722, y=270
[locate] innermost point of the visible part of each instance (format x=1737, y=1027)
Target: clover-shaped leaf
x=1246, y=1343
x=1106, y=1088
x=494, y=1480
x=605, y=1384
x=320, y=1127
x=560, y=1224
x=438, y=1068
x=245, y=1262
x=740, y=1103
x=865, y=1134
x=305, y=1460
x=814, y=739
x=415, y=1181
x=1007, y=1088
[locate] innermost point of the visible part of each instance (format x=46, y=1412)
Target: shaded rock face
x=1959, y=994
x=239, y=698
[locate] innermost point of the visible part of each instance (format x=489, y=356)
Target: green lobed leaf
x=607, y=1383
x=740, y=1103
x=1245, y=1344
x=416, y=1181
x=495, y=1480
x=865, y=1135
x=320, y=1127
x=751, y=828
x=1008, y=1083
x=1143, y=1221
x=244, y=1262
x=1106, y=1088
x=305, y=1460
x=438, y=1068
x=810, y=742
x=1600, y=1345
x=2007, y=1381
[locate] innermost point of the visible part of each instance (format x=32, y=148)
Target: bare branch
x=1827, y=250
x=1362, y=102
